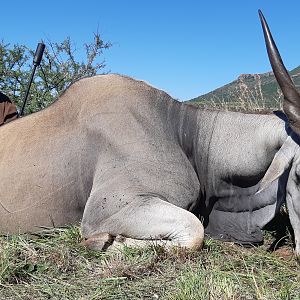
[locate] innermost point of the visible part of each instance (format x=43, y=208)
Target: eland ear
x=280, y=163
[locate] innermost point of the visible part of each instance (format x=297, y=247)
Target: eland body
x=129, y=161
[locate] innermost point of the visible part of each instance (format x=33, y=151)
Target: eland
x=136, y=166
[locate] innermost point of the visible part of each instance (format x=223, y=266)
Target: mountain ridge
x=259, y=90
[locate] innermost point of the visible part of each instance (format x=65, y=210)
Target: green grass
x=55, y=266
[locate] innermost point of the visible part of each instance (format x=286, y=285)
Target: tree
x=58, y=70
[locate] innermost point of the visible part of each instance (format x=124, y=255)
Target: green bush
x=60, y=67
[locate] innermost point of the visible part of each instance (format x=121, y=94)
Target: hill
x=248, y=91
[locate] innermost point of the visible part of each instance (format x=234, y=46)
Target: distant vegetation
x=250, y=92
x=60, y=67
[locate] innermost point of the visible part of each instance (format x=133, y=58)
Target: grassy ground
x=55, y=266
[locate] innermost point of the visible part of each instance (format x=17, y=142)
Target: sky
x=187, y=48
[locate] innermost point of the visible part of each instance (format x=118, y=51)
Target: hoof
x=98, y=242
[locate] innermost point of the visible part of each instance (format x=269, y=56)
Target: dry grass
x=247, y=98
x=55, y=266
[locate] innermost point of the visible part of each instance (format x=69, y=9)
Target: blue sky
x=186, y=48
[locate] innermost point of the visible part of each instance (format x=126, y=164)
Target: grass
x=55, y=266
x=256, y=95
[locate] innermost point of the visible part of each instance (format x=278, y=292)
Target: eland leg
x=143, y=222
